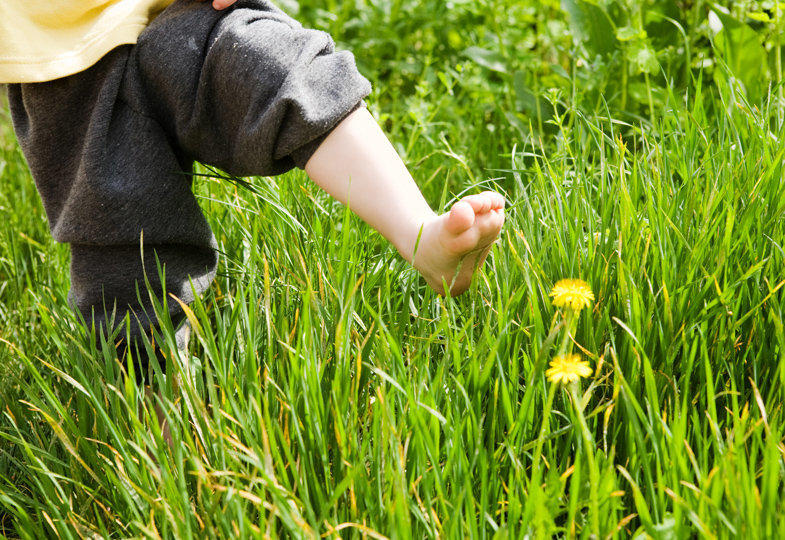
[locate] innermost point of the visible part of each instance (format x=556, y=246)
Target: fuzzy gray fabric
x=246, y=89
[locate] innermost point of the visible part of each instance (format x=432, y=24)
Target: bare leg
x=357, y=165
x=159, y=413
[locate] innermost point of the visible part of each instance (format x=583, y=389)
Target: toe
x=485, y=201
x=480, y=203
x=497, y=200
x=498, y=219
x=489, y=226
x=498, y=216
x=461, y=217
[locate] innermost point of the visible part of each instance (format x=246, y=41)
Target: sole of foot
x=455, y=244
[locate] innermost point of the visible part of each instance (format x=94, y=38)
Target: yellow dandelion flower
x=572, y=293
x=568, y=368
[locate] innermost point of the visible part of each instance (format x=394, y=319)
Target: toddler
x=112, y=99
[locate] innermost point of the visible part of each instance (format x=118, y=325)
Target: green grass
x=329, y=392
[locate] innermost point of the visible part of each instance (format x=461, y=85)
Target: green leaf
x=761, y=16
x=741, y=49
x=591, y=25
x=525, y=100
x=488, y=59
x=627, y=33
x=643, y=57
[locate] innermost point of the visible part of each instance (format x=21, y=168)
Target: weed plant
x=327, y=391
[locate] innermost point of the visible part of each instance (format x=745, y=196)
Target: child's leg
x=357, y=164
x=108, y=175
x=248, y=90
x=269, y=94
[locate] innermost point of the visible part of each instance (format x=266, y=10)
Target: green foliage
x=327, y=391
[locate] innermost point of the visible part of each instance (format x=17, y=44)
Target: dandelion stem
x=594, y=476
x=535, y=480
x=570, y=324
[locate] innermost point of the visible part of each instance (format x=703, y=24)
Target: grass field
x=330, y=393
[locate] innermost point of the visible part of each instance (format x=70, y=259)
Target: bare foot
x=455, y=244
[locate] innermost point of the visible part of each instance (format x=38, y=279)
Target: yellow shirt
x=41, y=40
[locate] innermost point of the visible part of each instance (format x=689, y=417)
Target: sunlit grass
x=327, y=391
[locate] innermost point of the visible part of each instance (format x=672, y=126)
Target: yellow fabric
x=41, y=40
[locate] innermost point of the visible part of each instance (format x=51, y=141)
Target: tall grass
x=326, y=391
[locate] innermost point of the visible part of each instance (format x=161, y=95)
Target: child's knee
x=247, y=88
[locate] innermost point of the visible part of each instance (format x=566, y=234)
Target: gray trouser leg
x=109, y=177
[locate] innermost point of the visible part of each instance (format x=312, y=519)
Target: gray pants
x=247, y=90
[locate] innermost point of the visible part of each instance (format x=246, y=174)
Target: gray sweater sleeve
x=249, y=91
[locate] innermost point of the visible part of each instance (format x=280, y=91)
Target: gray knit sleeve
x=248, y=89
